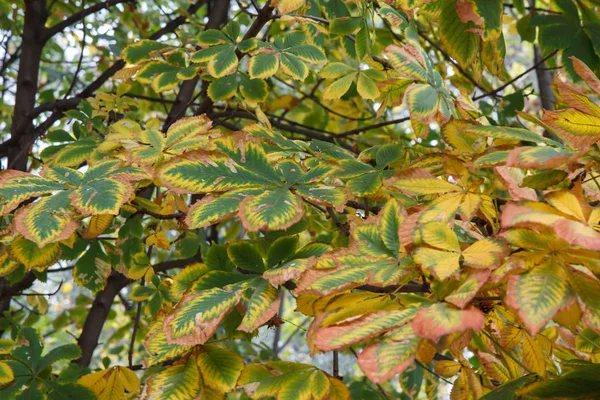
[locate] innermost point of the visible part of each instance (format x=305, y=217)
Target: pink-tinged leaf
x=538, y=157
x=539, y=294
x=383, y=360
x=520, y=215
x=516, y=192
x=577, y=234
x=531, y=214
x=443, y=319
x=586, y=73
x=360, y=329
x=469, y=288
x=289, y=270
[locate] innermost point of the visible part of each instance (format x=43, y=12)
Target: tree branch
x=516, y=78
x=79, y=16
x=94, y=322
x=18, y=145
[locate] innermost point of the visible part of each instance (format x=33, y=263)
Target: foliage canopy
x=410, y=187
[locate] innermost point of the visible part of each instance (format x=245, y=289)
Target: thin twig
x=502, y=87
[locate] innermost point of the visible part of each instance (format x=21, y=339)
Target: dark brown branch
x=13, y=57
x=78, y=69
x=94, y=322
x=136, y=323
x=79, y=16
x=19, y=144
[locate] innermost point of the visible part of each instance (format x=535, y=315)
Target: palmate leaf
x=115, y=382
x=287, y=381
x=539, y=294
x=250, y=168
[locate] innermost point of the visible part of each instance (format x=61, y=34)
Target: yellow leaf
x=533, y=356
x=440, y=235
x=286, y=6
x=447, y=368
x=113, y=383
x=98, y=224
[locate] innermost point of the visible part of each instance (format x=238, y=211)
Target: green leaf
x=182, y=380
x=64, y=352
x=73, y=155
x=263, y=66
x=220, y=367
x=580, y=382
x=91, y=270
x=31, y=255
x=28, y=348
x=212, y=37
x=308, y=53
x=366, y=87
x=196, y=317
x=47, y=220
x=253, y=89
x=101, y=196
x=293, y=66
x=339, y=87
x=246, y=256
x=345, y=25
x=211, y=210
x=59, y=136
x=274, y=209
x=142, y=50
x=262, y=306
x=223, y=88
x=282, y=249
x=457, y=37
x=423, y=102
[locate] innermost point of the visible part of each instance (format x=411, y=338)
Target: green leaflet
x=142, y=50
x=289, y=381
x=272, y=210
x=262, y=306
